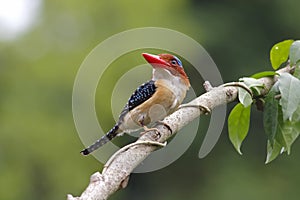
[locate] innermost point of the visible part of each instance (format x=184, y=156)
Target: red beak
x=155, y=60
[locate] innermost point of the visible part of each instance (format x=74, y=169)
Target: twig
x=111, y=159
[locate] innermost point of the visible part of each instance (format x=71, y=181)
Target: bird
x=152, y=101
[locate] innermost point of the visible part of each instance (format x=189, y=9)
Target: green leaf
x=244, y=97
x=272, y=151
x=295, y=52
x=286, y=133
x=281, y=133
x=291, y=129
x=238, y=125
x=297, y=72
x=263, y=74
x=254, y=84
x=251, y=82
x=270, y=115
x=279, y=53
x=289, y=87
x=279, y=136
x=296, y=115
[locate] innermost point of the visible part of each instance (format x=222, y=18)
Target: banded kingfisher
x=153, y=100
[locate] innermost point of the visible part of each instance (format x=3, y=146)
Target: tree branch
x=116, y=171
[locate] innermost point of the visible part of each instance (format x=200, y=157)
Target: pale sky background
x=17, y=17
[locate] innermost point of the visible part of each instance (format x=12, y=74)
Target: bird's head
x=168, y=62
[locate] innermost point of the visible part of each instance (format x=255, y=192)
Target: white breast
x=174, y=83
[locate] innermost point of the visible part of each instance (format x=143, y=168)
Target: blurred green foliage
x=39, y=146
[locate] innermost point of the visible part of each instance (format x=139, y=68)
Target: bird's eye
x=174, y=62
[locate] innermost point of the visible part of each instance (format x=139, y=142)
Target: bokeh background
x=43, y=43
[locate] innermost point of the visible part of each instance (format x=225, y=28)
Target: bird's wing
x=140, y=95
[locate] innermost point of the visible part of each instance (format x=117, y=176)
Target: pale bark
x=116, y=171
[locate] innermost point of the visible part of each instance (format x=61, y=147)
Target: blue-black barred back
x=141, y=94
